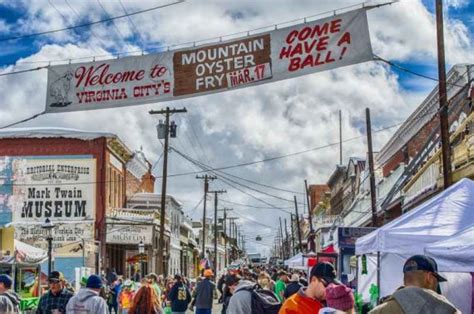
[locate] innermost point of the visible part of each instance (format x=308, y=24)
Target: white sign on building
x=60, y=188
x=129, y=234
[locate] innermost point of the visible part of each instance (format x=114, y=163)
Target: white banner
x=67, y=238
x=129, y=234
x=292, y=51
x=59, y=188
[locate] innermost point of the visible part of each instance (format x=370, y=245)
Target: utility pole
x=215, y=227
x=206, y=179
x=340, y=137
x=283, y=251
x=161, y=241
x=292, y=235
x=287, y=246
x=298, y=226
x=443, y=97
x=312, y=247
x=373, y=198
x=224, y=225
x=231, y=231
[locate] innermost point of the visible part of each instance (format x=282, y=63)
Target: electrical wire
x=135, y=29
x=89, y=23
x=252, y=206
x=79, y=16
x=194, y=43
x=117, y=30
x=226, y=182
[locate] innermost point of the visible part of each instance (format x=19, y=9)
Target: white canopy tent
x=441, y=217
x=299, y=261
x=437, y=219
x=455, y=254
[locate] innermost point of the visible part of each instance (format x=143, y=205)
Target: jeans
x=203, y=311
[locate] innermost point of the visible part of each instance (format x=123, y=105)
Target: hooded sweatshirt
x=241, y=300
x=416, y=300
x=86, y=301
x=9, y=302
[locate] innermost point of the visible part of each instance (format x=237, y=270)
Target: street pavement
x=216, y=309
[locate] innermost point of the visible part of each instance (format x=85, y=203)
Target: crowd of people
x=240, y=291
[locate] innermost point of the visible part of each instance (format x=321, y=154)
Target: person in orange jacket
x=312, y=298
x=125, y=297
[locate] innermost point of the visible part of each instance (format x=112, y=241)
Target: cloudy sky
x=243, y=125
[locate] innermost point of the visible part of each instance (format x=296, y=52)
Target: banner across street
x=289, y=52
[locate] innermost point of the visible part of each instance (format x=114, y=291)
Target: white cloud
x=247, y=124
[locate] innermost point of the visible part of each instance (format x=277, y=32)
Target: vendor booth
x=24, y=267
x=438, y=219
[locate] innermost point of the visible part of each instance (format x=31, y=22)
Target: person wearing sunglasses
x=312, y=298
x=57, y=297
x=421, y=292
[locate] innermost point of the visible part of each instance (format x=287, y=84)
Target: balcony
x=429, y=177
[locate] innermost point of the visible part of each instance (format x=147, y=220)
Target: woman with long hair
x=146, y=301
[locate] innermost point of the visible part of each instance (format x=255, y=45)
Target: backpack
x=263, y=301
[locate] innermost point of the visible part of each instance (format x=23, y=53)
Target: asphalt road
x=216, y=309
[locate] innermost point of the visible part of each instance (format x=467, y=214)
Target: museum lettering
x=65, y=203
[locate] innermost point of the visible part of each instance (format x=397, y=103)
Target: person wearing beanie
x=293, y=287
x=340, y=297
x=204, y=293
x=87, y=300
x=9, y=300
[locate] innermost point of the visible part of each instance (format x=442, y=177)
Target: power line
x=205, y=40
x=200, y=164
x=252, y=206
x=90, y=23
x=113, y=22
x=230, y=184
x=79, y=16
x=135, y=29
x=377, y=58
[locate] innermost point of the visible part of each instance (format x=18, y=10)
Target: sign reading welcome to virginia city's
x=61, y=188
x=292, y=51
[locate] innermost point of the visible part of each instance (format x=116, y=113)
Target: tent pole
x=378, y=276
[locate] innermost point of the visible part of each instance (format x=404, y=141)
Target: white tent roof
x=455, y=254
x=296, y=260
x=436, y=219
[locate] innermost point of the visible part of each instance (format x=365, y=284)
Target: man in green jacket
x=421, y=293
x=280, y=284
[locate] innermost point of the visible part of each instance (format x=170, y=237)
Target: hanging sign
x=284, y=53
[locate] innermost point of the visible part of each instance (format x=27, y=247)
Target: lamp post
x=48, y=227
x=141, y=251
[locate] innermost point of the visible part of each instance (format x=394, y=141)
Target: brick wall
x=316, y=193
x=134, y=185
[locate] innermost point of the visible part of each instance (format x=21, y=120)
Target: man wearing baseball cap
x=204, y=293
x=311, y=299
x=57, y=296
x=420, y=293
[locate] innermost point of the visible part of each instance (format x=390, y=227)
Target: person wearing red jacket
x=312, y=298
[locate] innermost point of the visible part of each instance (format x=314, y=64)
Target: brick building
x=73, y=178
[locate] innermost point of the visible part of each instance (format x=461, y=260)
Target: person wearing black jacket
x=179, y=296
x=293, y=287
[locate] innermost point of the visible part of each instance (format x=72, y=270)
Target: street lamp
x=141, y=252
x=48, y=227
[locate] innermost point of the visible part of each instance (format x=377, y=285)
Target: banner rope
x=24, y=120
